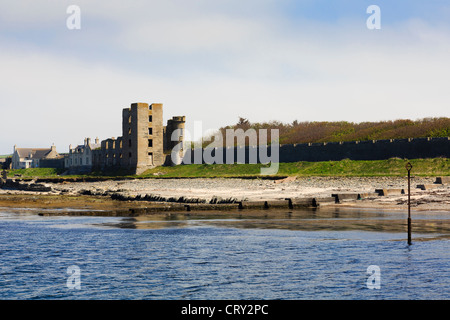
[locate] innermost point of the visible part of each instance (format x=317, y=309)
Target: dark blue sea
x=75, y=257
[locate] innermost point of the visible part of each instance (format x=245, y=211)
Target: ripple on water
x=212, y=262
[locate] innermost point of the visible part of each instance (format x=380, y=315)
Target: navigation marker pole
x=409, y=167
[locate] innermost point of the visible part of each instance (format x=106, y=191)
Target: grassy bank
x=344, y=168
x=35, y=173
x=348, y=168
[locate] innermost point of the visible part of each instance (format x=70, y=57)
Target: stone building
x=24, y=158
x=144, y=143
x=80, y=158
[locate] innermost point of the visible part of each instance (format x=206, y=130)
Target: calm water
x=121, y=258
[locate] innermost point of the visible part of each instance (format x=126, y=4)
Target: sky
x=215, y=61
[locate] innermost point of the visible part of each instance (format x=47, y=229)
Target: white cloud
x=213, y=65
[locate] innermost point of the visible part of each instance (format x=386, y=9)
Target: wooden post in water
x=409, y=167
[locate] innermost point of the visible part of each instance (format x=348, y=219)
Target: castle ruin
x=145, y=142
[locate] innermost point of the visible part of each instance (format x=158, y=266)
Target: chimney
x=88, y=142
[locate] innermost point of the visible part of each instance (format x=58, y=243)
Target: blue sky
x=216, y=60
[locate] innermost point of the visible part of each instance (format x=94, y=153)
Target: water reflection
x=144, y=223
x=329, y=219
x=224, y=255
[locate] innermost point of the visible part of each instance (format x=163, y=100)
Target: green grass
x=343, y=168
x=35, y=172
x=390, y=167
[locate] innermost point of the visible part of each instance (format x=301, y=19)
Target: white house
x=80, y=157
x=24, y=158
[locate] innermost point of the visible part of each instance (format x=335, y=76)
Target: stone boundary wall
x=52, y=163
x=417, y=148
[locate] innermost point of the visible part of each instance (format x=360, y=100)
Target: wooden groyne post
x=409, y=167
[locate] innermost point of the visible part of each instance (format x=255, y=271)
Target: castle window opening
x=131, y=154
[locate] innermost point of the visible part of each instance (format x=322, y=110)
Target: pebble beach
x=435, y=198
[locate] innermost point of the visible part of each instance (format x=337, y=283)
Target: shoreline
x=150, y=196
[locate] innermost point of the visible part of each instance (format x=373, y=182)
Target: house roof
x=81, y=147
x=36, y=153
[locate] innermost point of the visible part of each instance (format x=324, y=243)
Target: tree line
x=325, y=131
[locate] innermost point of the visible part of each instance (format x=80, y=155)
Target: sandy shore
x=437, y=198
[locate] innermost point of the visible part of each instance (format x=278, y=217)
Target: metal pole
x=409, y=167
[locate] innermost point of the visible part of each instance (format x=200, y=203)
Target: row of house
x=24, y=158
x=145, y=143
x=79, y=157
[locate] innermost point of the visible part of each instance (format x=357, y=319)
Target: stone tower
x=142, y=138
x=176, y=123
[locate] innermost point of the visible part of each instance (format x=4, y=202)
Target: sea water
x=66, y=257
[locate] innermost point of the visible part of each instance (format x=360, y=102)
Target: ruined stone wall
x=128, y=136
x=355, y=150
x=97, y=159
x=109, y=155
x=57, y=163
x=368, y=150
x=112, y=152
x=155, y=137
x=142, y=139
